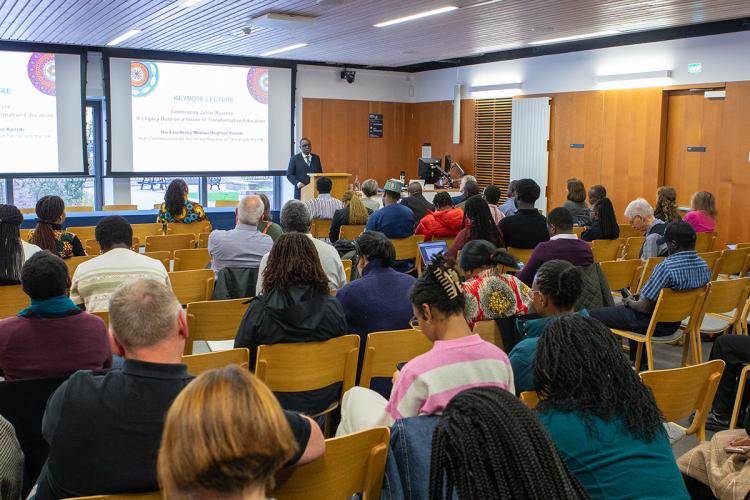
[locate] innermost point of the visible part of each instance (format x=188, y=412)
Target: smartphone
x=400, y=365
x=743, y=450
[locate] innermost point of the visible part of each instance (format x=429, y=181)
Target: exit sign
x=695, y=68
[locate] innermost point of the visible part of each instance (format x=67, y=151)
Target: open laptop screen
x=430, y=249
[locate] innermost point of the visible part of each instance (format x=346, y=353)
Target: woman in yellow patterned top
x=49, y=233
x=177, y=207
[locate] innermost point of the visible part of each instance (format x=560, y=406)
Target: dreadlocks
x=11, y=249
x=580, y=368
x=49, y=209
x=294, y=261
x=481, y=225
x=489, y=445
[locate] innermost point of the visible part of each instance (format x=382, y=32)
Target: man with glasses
x=302, y=164
x=641, y=217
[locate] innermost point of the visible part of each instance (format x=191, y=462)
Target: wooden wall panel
x=433, y=122
x=387, y=156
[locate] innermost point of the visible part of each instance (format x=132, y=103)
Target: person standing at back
x=244, y=245
x=324, y=205
x=49, y=233
x=702, y=215
x=300, y=165
x=417, y=202
x=177, y=208
x=393, y=220
x=527, y=227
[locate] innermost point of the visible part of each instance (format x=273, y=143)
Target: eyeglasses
x=414, y=323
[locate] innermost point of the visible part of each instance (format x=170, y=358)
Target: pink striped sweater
x=428, y=382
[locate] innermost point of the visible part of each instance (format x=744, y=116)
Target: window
x=146, y=192
x=75, y=191
x=91, y=138
x=2, y=191
x=233, y=188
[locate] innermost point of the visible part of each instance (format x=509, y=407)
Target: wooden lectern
x=340, y=184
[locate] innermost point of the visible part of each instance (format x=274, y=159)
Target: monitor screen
x=430, y=249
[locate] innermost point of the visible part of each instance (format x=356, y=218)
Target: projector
x=348, y=75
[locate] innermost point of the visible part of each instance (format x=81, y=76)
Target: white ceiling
x=343, y=31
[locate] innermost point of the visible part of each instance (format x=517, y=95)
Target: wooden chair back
x=169, y=242
x=12, y=300
x=606, y=250
x=104, y=315
x=194, y=228
x=203, y=240
x=141, y=231
x=579, y=230
x=157, y=206
x=154, y=495
x=723, y=296
x=92, y=247
x=188, y=259
x=214, y=320
x=199, y=363
x=351, y=464
x=673, y=306
x=227, y=203
x=80, y=208
x=713, y=261
x=192, y=286
x=347, y=269
x=704, y=242
x=406, y=248
x=622, y=273
x=320, y=228
x=681, y=391
x=25, y=234
x=74, y=262
x=734, y=262
x=119, y=208
x=632, y=247
x=384, y=350
x=648, y=270
x=522, y=254
x=83, y=232
x=488, y=330
x=628, y=231
x=162, y=256
x=530, y=398
x=27, y=211
x=351, y=231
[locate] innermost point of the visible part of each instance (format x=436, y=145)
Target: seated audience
x=177, y=207
x=462, y=187
x=683, y=269
x=293, y=306
x=734, y=350
x=563, y=245
x=555, y=290
x=372, y=199
x=477, y=225
x=244, y=245
x=393, y=220
x=509, y=207
x=641, y=217
x=666, y=205
x=95, y=280
x=104, y=429
x=324, y=205
x=51, y=337
x=604, y=224
x=444, y=222
x=266, y=224
x=12, y=247
x=602, y=419
x=489, y=293
x=490, y=445
x=702, y=215
x=471, y=188
x=596, y=193
x=11, y=462
x=353, y=213
x=457, y=361
x=49, y=233
x=261, y=438
x=296, y=218
x=417, y=202
x=527, y=227
x=492, y=197
x=576, y=203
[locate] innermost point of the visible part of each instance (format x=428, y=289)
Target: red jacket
x=442, y=224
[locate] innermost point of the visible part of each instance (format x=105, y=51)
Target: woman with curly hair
x=603, y=420
x=293, y=306
x=666, y=204
x=177, y=207
x=354, y=213
x=49, y=233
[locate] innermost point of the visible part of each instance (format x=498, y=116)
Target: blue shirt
x=394, y=221
x=679, y=271
x=509, y=207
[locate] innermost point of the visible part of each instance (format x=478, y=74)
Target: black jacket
x=419, y=205
x=525, y=229
x=298, y=169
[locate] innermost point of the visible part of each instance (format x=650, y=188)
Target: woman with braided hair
x=602, y=418
x=489, y=445
x=49, y=233
x=13, y=251
x=459, y=359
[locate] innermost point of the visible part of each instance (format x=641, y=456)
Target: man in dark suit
x=417, y=202
x=301, y=164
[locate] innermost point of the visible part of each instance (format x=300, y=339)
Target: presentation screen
x=171, y=116
x=41, y=113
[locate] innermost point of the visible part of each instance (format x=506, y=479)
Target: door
x=529, y=157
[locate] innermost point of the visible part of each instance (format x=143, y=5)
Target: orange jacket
x=441, y=224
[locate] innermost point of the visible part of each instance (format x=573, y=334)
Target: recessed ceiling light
x=480, y=4
x=123, y=37
x=412, y=17
x=284, y=49
x=575, y=37
x=190, y=3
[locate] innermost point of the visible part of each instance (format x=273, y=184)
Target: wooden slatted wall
x=492, y=142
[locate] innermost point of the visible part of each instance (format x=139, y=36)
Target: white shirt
x=29, y=250
x=564, y=236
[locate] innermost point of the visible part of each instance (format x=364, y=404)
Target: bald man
x=417, y=202
x=244, y=245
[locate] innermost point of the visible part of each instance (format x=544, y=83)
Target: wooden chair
x=169, y=242
x=12, y=300
x=227, y=203
x=27, y=211
x=212, y=320
x=194, y=228
x=203, y=240
x=384, y=350
x=351, y=464
x=80, y=208
x=347, y=269
x=320, y=228
x=141, y=231
x=93, y=248
x=734, y=262
x=648, y=270
x=632, y=247
x=447, y=239
x=705, y=242
x=680, y=392
x=155, y=495
x=606, y=250
x=406, y=248
x=488, y=330
x=351, y=231
x=579, y=230
x=119, y=208
x=74, y=262
x=191, y=258
x=25, y=234
x=671, y=307
x=530, y=398
x=162, y=256
x=522, y=254
x=199, y=363
x=622, y=274
x=628, y=231
x=83, y=232
x=192, y=286
x=739, y=396
x=713, y=261
x=104, y=315
x=157, y=206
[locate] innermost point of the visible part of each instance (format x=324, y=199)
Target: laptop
x=430, y=249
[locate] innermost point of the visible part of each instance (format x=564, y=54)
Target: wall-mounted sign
x=576, y=146
x=695, y=68
x=375, y=128
x=696, y=149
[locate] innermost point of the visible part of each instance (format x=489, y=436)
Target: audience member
x=604, y=224
x=11, y=462
x=527, y=227
x=734, y=350
x=225, y=436
x=51, y=337
x=666, y=205
x=556, y=288
x=354, y=213
x=596, y=193
x=296, y=218
x=641, y=217
x=104, y=429
x=324, y=205
x=177, y=207
x=563, y=245
x=702, y=215
x=489, y=445
x=393, y=220
x=444, y=222
x=266, y=224
x=417, y=202
x=244, y=245
x=492, y=197
x=293, y=306
x=576, y=203
x=683, y=269
x=95, y=280
x=13, y=251
x=372, y=199
x=602, y=418
x=457, y=361
x=49, y=233
x=509, y=207
x=488, y=292
x=477, y=225
x=471, y=189
x=462, y=187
